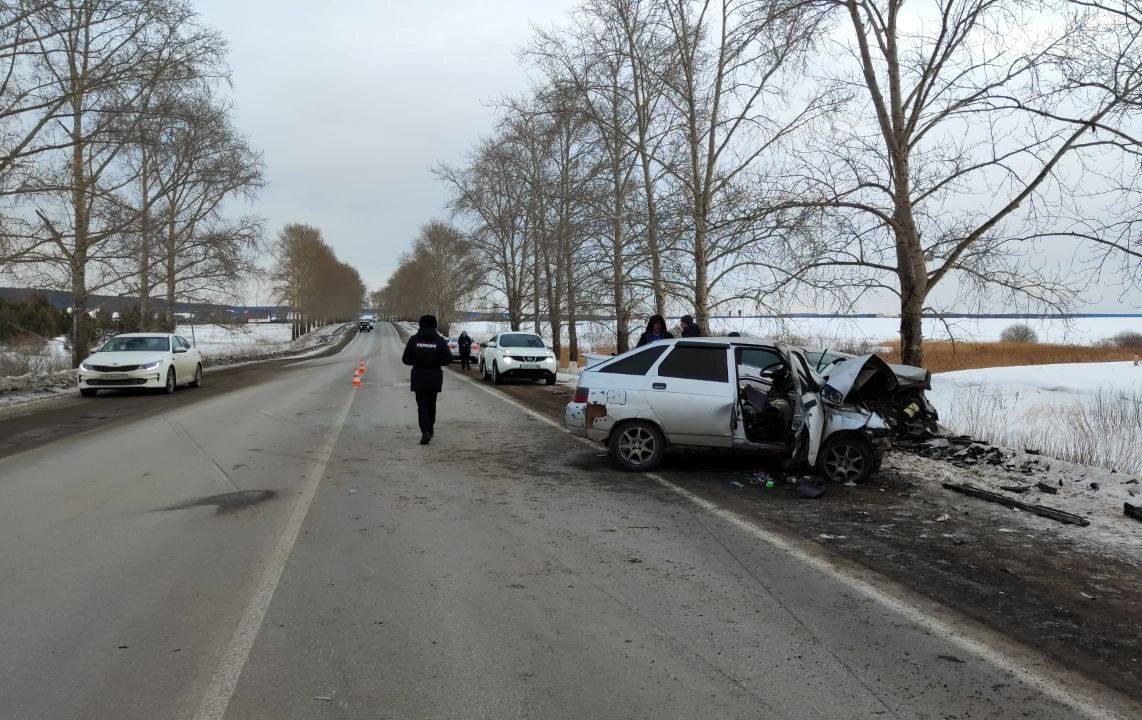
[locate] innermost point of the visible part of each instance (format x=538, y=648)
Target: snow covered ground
x=1089, y=413
x=223, y=340
x=836, y=331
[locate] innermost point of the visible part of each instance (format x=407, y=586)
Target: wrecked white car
x=900, y=400
x=744, y=394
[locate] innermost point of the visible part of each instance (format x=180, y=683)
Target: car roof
x=141, y=334
x=720, y=340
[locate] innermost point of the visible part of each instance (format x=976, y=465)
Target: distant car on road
x=517, y=355
x=454, y=346
x=141, y=360
x=365, y=326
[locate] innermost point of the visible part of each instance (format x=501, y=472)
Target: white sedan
x=141, y=360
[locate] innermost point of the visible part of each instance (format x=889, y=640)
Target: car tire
x=550, y=380
x=197, y=381
x=637, y=446
x=497, y=379
x=846, y=457
x=88, y=392
x=483, y=371
x=171, y=382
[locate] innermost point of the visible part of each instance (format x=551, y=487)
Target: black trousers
x=426, y=410
x=465, y=360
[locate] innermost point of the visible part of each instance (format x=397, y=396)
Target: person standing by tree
x=465, y=343
x=426, y=352
x=690, y=328
x=655, y=330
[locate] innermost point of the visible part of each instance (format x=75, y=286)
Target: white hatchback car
x=141, y=360
x=738, y=393
x=515, y=354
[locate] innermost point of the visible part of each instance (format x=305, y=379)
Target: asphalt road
x=287, y=550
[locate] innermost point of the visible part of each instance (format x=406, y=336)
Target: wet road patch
x=226, y=502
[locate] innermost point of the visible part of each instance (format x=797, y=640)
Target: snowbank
x=1083, y=412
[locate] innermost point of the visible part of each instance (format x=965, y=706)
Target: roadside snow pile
x=38, y=381
x=1088, y=413
x=254, y=341
x=228, y=340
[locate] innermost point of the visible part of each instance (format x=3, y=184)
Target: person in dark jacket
x=426, y=352
x=689, y=327
x=655, y=330
x=465, y=343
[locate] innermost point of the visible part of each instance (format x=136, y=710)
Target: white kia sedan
x=141, y=360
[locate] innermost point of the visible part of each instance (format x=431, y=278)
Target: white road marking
x=1018, y=660
x=221, y=689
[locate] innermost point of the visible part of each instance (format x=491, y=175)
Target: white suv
x=511, y=355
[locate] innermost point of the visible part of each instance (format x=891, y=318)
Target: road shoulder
x=1026, y=578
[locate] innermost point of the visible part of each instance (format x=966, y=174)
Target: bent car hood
x=142, y=357
x=855, y=379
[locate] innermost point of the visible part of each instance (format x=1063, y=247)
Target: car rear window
x=696, y=363
x=636, y=364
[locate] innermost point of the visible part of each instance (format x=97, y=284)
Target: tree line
x=703, y=155
x=118, y=157
x=309, y=279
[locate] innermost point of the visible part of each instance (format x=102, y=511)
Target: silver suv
x=740, y=393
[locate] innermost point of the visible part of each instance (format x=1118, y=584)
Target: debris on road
x=1041, y=510
x=811, y=487
x=1134, y=511
x=1047, y=488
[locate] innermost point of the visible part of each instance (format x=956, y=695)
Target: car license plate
x=114, y=376
x=529, y=366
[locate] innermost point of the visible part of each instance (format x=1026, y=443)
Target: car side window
x=696, y=363
x=178, y=344
x=636, y=364
x=184, y=342
x=759, y=358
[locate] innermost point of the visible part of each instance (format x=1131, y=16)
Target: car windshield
x=156, y=343
x=521, y=340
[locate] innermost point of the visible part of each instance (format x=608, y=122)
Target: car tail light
x=581, y=394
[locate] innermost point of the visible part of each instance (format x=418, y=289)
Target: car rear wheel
x=169, y=388
x=88, y=392
x=846, y=458
x=637, y=446
x=197, y=381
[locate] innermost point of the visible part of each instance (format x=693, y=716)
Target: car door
x=691, y=393
x=810, y=415
x=183, y=369
x=193, y=357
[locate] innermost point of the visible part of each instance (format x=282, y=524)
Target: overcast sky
x=352, y=102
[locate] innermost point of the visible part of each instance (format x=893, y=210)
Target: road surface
x=288, y=550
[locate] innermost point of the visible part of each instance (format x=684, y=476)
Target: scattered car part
x=1041, y=510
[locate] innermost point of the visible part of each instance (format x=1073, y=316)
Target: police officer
x=426, y=352
x=465, y=343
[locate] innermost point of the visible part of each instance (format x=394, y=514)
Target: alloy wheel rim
x=844, y=462
x=636, y=445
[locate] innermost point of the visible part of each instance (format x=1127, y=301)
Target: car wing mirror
x=180, y=350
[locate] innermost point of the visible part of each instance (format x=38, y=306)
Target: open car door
x=810, y=416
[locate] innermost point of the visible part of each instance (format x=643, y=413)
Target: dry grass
x=946, y=356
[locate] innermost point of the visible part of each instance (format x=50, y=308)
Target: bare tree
x=955, y=154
